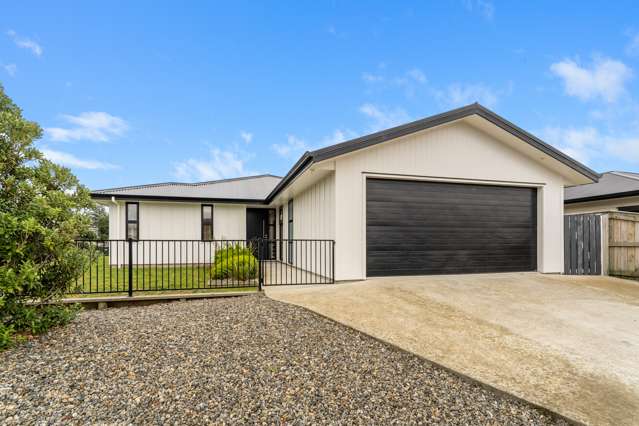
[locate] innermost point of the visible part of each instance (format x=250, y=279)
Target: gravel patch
x=239, y=360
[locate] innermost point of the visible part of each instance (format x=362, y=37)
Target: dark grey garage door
x=418, y=228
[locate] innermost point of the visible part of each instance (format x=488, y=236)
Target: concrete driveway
x=570, y=344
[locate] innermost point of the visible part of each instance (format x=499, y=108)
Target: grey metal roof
x=308, y=158
x=610, y=185
x=250, y=188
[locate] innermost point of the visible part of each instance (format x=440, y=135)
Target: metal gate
x=582, y=244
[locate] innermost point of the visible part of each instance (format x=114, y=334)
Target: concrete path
x=570, y=344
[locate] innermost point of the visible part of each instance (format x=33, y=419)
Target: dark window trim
x=289, y=235
x=281, y=236
x=127, y=221
x=202, y=222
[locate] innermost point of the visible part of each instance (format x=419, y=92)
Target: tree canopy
x=43, y=208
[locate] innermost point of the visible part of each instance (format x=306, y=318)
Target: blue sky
x=141, y=92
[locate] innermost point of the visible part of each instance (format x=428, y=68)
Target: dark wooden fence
x=582, y=244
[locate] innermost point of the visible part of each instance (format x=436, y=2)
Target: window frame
x=128, y=221
x=281, y=226
x=290, y=234
x=202, y=222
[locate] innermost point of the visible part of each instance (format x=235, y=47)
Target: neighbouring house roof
x=243, y=189
x=264, y=188
x=426, y=123
x=610, y=185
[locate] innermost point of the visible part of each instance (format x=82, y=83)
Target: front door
x=260, y=223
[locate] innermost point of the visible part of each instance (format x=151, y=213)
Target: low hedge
x=235, y=262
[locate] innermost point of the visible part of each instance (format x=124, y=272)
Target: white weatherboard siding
x=314, y=211
x=174, y=221
x=601, y=205
x=314, y=219
x=454, y=152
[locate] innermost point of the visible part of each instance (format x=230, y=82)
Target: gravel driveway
x=248, y=359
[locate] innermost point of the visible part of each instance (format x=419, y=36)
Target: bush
x=235, y=262
x=43, y=209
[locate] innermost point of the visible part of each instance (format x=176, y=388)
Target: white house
x=459, y=192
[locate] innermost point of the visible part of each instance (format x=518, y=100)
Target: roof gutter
x=113, y=197
x=302, y=164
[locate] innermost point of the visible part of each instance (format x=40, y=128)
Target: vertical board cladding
x=175, y=231
x=453, y=152
x=313, y=219
x=314, y=211
x=114, y=222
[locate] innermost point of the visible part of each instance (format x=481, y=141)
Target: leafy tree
x=100, y=223
x=43, y=208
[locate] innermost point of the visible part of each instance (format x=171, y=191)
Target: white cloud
x=293, y=148
x=338, y=136
x=581, y=144
x=92, y=126
x=459, y=94
x=371, y=78
x=25, y=43
x=408, y=81
x=246, y=136
x=626, y=149
x=70, y=160
x=11, y=69
x=605, y=78
x=222, y=164
x=417, y=75
x=383, y=118
x=485, y=8
x=632, y=48
x=588, y=144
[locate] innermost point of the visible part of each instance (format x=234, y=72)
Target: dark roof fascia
x=392, y=133
x=427, y=123
x=103, y=196
x=602, y=197
x=302, y=164
x=536, y=142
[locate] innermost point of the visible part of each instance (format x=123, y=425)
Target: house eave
x=602, y=197
x=105, y=196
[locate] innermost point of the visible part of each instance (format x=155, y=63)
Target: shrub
x=43, y=209
x=236, y=261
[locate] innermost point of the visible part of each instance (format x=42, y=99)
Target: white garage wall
x=452, y=152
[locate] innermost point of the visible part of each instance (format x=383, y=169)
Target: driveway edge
x=462, y=376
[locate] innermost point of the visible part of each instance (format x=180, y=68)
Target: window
x=207, y=222
x=132, y=221
x=290, y=231
x=281, y=236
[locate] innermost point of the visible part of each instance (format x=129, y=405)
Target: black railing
x=128, y=266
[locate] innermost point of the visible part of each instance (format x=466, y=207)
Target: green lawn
x=101, y=277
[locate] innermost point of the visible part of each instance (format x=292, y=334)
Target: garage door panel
x=416, y=227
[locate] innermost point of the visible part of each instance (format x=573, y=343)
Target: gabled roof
x=610, y=185
x=332, y=151
x=264, y=188
x=243, y=189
